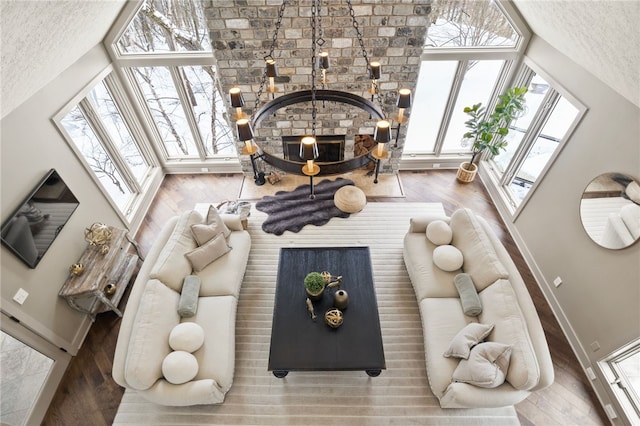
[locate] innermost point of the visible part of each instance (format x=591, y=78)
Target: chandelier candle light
x=308, y=143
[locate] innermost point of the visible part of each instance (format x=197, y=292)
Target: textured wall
x=40, y=39
x=393, y=34
x=600, y=36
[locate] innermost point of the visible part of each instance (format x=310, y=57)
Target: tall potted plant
x=487, y=132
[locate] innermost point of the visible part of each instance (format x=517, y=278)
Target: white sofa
x=506, y=304
x=152, y=312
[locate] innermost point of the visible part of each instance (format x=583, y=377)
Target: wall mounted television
x=34, y=225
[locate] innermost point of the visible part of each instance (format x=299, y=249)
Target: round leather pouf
x=350, y=199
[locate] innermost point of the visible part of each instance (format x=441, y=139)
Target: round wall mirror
x=610, y=210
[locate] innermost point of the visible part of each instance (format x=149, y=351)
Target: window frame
x=122, y=63
x=138, y=189
x=512, y=55
x=550, y=100
x=613, y=376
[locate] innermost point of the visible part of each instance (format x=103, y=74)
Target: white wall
x=31, y=145
x=599, y=300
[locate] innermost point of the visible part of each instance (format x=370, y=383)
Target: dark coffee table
x=300, y=344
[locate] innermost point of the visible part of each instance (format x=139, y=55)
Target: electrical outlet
x=595, y=346
x=20, y=296
x=204, y=169
x=590, y=374
x=557, y=281
x=436, y=165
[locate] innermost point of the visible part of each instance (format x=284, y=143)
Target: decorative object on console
x=110, y=289
x=319, y=59
x=99, y=235
x=487, y=131
x=76, y=269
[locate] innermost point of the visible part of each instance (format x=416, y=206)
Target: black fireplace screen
x=330, y=148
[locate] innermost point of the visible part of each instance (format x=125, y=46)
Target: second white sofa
x=506, y=306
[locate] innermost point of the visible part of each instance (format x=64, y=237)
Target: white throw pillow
x=486, y=367
x=448, y=258
x=179, y=367
x=439, y=232
x=472, y=334
x=186, y=336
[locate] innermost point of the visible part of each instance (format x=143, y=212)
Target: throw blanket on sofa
x=291, y=211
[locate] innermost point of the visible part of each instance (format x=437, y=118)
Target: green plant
x=488, y=132
x=314, y=282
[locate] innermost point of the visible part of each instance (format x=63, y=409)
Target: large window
x=470, y=50
x=165, y=57
x=535, y=138
x=106, y=140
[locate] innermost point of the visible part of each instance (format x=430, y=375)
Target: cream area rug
x=399, y=396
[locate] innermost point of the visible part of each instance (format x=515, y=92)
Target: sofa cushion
x=426, y=278
x=149, y=341
x=480, y=258
x=224, y=276
x=439, y=232
x=442, y=319
x=214, y=218
x=486, y=367
x=179, y=367
x=216, y=357
x=186, y=336
x=501, y=308
x=171, y=266
x=448, y=258
x=467, y=338
x=204, y=255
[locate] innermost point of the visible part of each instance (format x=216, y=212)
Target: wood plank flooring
x=89, y=396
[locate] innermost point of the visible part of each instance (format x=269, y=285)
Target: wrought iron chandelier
x=320, y=60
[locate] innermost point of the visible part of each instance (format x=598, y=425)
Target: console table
x=86, y=292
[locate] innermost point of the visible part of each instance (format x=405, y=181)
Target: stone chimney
x=393, y=34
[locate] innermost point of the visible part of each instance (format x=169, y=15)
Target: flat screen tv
x=32, y=227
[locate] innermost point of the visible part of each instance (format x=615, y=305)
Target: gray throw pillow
x=188, y=304
x=469, y=298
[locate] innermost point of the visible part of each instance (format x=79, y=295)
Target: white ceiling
x=39, y=39
x=602, y=36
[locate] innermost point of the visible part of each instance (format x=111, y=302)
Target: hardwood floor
x=88, y=394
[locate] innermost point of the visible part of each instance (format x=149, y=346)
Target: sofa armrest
x=419, y=223
x=232, y=221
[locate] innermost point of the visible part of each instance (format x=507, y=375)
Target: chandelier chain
x=356, y=27
x=313, y=66
x=274, y=41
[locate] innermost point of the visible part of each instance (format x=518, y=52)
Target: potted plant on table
x=487, y=132
x=314, y=283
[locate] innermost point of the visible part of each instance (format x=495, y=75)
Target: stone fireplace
x=393, y=34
